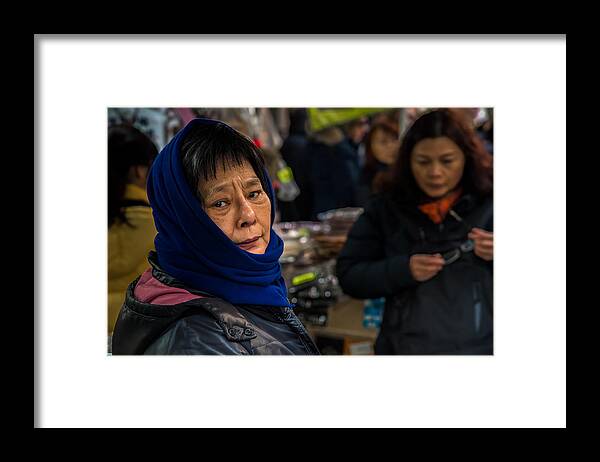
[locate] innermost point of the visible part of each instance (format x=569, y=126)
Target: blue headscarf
x=194, y=250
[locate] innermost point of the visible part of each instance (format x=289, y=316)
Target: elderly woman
x=215, y=284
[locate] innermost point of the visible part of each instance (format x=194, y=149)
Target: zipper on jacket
x=458, y=218
x=477, y=305
x=455, y=215
x=305, y=338
x=294, y=323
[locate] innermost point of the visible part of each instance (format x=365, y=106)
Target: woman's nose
x=247, y=215
x=435, y=170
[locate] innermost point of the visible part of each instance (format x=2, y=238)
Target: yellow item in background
x=321, y=118
x=128, y=248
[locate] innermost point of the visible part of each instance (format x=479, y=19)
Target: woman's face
x=437, y=165
x=138, y=175
x=384, y=147
x=237, y=203
x=358, y=130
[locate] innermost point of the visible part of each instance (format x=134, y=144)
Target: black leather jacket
x=206, y=326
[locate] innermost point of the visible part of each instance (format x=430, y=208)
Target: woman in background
x=425, y=243
x=381, y=152
x=131, y=228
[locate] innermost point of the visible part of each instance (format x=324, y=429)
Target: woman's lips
x=249, y=243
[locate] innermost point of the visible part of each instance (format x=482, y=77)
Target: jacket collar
x=463, y=205
x=165, y=278
x=135, y=193
x=234, y=324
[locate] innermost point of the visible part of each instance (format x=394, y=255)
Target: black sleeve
x=195, y=335
x=363, y=269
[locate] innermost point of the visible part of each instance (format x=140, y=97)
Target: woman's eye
x=255, y=194
x=219, y=204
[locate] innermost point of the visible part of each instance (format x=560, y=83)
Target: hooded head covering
x=194, y=250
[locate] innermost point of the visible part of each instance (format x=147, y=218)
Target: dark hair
x=298, y=121
x=205, y=147
x=127, y=147
x=478, y=174
x=371, y=163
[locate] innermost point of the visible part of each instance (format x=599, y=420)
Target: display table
x=344, y=332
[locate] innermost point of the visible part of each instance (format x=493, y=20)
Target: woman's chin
x=437, y=193
x=256, y=249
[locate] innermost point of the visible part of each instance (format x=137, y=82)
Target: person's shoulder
x=380, y=202
x=197, y=334
x=138, y=212
x=471, y=201
x=477, y=209
x=201, y=322
x=375, y=213
x=295, y=139
x=140, y=217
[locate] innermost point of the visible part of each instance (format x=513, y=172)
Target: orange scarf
x=438, y=209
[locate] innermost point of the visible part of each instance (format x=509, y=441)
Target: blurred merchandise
x=185, y=114
x=312, y=290
x=150, y=121
x=358, y=347
x=288, y=189
x=300, y=245
x=339, y=222
x=174, y=123
x=266, y=128
x=308, y=272
x=373, y=312
x=281, y=175
x=308, y=261
x=266, y=136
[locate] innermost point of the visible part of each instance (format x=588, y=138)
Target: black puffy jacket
x=333, y=176
x=452, y=313
x=205, y=326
